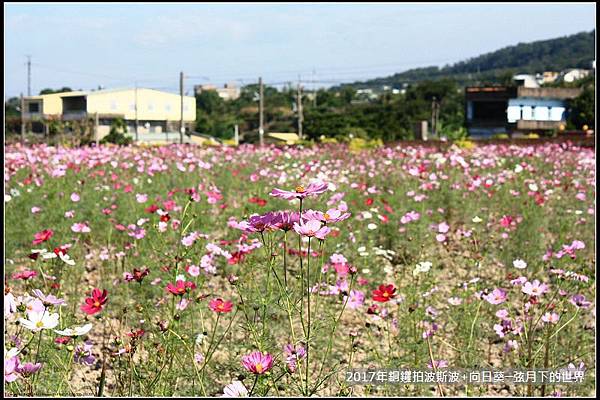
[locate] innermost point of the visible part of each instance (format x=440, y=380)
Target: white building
x=573, y=75
x=528, y=81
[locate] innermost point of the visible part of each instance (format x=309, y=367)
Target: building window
x=185, y=108
x=34, y=107
x=150, y=107
x=132, y=107
x=167, y=107
x=513, y=113
x=527, y=113
x=556, y=113
x=542, y=113
x=113, y=105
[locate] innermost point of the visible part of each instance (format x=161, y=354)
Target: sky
x=117, y=45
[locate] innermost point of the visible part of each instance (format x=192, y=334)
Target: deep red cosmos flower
x=95, y=303
x=42, y=236
x=369, y=201
x=137, y=275
x=136, y=333
x=220, y=306
x=384, y=293
x=180, y=287
x=152, y=209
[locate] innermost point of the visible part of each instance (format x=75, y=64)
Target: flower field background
x=241, y=271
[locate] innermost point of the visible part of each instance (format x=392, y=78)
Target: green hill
x=574, y=51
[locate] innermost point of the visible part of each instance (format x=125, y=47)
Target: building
x=288, y=138
x=499, y=109
x=229, y=91
x=152, y=111
x=547, y=77
x=528, y=81
x=573, y=75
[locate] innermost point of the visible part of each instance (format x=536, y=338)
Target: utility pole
x=181, y=128
x=314, y=89
x=299, y=108
x=261, y=120
x=96, y=133
x=236, y=134
x=22, y=119
x=28, y=75
x=137, y=122
x=433, y=119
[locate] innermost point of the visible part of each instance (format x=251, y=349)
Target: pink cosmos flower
x=301, y=192
x=24, y=275
x=443, y=227
x=75, y=197
x=312, y=228
x=334, y=215
x=10, y=369
x=141, y=197
x=193, y=270
x=28, y=369
x=535, y=289
x=48, y=299
x=80, y=227
x=356, y=300
x=498, y=296
x=438, y=364
x=409, y=217
x=285, y=220
x=182, y=305
x=550, y=318
x=257, y=362
x=292, y=355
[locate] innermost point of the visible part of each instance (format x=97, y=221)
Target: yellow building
x=151, y=111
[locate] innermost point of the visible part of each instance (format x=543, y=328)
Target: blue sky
x=113, y=45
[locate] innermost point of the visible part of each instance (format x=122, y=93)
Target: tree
x=117, y=133
x=52, y=91
x=583, y=109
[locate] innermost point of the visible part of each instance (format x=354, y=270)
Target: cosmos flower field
x=241, y=271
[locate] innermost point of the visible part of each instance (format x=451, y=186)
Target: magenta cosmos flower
x=301, y=192
x=257, y=362
x=332, y=215
x=312, y=228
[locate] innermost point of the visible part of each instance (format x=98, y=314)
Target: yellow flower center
x=259, y=368
x=386, y=294
x=326, y=216
x=97, y=304
x=39, y=324
x=300, y=189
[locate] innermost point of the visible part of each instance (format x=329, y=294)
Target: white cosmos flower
x=422, y=267
x=533, y=187
x=40, y=320
x=518, y=168
x=520, y=264
x=75, y=331
x=235, y=389
x=64, y=257
x=371, y=226
x=11, y=353
x=476, y=219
